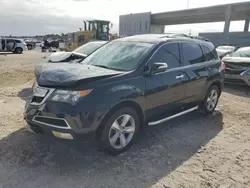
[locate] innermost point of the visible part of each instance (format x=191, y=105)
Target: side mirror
x=158, y=67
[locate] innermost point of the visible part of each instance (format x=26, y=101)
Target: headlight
x=71, y=97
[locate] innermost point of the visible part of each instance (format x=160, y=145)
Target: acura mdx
x=125, y=85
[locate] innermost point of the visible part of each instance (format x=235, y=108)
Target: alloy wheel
x=122, y=131
x=212, y=100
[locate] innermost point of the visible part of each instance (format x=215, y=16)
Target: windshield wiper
x=102, y=66
x=110, y=68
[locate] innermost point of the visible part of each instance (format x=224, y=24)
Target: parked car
x=79, y=53
x=31, y=43
x=50, y=45
x=12, y=45
x=225, y=50
x=123, y=87
x=238, y=67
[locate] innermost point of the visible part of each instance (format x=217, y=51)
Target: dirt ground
x=191, y=151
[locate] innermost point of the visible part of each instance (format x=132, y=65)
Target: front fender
x=126, y=92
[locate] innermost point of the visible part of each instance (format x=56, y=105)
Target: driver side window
x=169, y=54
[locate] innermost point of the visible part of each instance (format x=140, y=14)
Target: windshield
x=119, y=55
x=228, y=48
x=242, y=52
x=88, y=48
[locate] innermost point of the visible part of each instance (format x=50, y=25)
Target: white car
x=79, y=53
x=12, y=45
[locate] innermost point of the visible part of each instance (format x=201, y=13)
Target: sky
x=37, y=17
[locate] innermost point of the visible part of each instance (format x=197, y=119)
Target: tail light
x=223, y=65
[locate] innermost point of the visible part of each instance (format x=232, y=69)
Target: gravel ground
x=191, y=151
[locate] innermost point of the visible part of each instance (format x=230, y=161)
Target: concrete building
x=220, y=13
x=135, y=24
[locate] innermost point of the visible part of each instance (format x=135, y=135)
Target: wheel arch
x=18, y=47
x=127, y=103
x=218, y=84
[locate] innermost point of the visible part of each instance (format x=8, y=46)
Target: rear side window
x=209, y=55
x=169, y=54
x=17, y=41
x=192, y=53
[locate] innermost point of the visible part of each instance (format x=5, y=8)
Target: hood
x=222, y=53
x=237, y=62
x=64, y=57
x=65, y=74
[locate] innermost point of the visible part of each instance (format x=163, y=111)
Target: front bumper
x=241, y=79
x=48, y=117
x=58, y=133
x=25, y=48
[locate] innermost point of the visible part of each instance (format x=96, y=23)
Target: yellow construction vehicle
x=93, y=30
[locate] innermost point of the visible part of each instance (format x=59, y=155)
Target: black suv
x=125, y=85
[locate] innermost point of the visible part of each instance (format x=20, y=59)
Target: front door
x=165, y=91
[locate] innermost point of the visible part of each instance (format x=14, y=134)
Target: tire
x=211, y=99
x=18, y=50
x=116, y=138
x=29, y=47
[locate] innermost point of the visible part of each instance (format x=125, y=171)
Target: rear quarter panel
x=216, y=76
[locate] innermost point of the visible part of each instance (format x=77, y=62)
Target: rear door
x=197, y=70
x=166, y=90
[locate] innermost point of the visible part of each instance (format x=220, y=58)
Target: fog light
x=62, y=135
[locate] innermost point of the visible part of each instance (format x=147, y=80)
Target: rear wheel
x=211, y=100
x=120, y=131
x=18, y=50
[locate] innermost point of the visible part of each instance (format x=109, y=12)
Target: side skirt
x=173, y=116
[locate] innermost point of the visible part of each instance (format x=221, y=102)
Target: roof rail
x=170, y=35
x=201, y=38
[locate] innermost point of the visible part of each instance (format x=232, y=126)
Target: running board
x=173, y=116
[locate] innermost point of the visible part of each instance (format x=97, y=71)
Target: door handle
x=179, y=77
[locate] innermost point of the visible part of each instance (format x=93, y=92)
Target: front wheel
x=18, y=50
x=120, y=131
x=211, y=100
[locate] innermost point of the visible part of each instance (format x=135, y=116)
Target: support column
x=227, y=19
x=246, y=27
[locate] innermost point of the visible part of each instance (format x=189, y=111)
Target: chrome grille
x=233, y=71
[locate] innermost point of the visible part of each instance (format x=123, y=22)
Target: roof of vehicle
x=157, y=38
x=11, y=38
